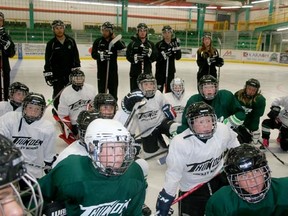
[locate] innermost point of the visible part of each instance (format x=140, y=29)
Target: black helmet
x=12, y=171
x=56, y=23
x=197, y=110
x=207, y=35
x=167, y=28
x=104, y=99
x=207, y=79
x=14, y=87
x=107, y=26
x=35, y=99
x=142, y=26
x=253, y=82
x=77, y=79
x=242, y=160
x=146, y=78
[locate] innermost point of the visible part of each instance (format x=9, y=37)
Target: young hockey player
x=278, y=119
x=105, y=105
x=208, y=58
x=168, y=51
x=107, y=181
x=61, y=57
x=104, y=56
x=140, y=52
x=7, y=50
x=154, y=118
x=17, y=92
x=73, y=100
x=13, y=172
x=226, y=106
x=195, y=158
x=252, y=191
x=32, y=134
x=177, y=98
x=254, y=103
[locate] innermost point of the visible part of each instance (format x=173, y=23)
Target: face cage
x=148, y=93
x=251, y=198
x=106, y=115
x=178, y=94
x=249, y=96
x=208, y=97
x=30, y=119
x=130, y=152
x=78, y=81
x=203, y=136
x=11, y=93
x=28, y=195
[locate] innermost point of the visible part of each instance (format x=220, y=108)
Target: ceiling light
x=260, y=1
x=282, y=29
x=211, y=7
x=230, y=7
x=247, y=6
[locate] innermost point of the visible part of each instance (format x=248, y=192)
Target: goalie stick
x=111, y=44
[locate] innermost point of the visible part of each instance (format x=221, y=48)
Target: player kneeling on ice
x=252, y=191
x=107, y=181
x=154, y=118
x=195, y=160
x=32, y=134
x=17, y=92
x=106, y=105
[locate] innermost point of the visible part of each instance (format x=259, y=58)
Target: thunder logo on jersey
x=79, y=104
x=26, y=142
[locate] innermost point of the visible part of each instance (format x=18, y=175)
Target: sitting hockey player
x=17, y=92
x=154, y=118
x=32, y=134
x=252, y=190
x=177, y=98
x=13, y=172
x=195, y=160
x=226, y=106
x=73, y=100
x=107, y=181
x=254, y=103
x=278, y=119
x=106, y=105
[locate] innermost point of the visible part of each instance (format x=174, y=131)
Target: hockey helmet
x=254, y=83
x=56, y=23
x=177, y=87
x=77, y=79
x=148, y=91
x=197, y=110
x=167, y=28
x=110, y=146
x=15, y=87
x=107, y=26
x=142, y=26
x=34, y=99
x=207, y=35
x=241, y=161
x=105, y=99
x=12, y=171
x=208, y=80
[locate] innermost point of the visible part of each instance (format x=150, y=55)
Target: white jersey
x=283, y=115
x=36, y=140
x=177, y=104
x=191, y=162
x=72, y=102
x=5, y=106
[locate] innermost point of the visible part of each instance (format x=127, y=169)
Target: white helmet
x=177, y=87
x=110, y=146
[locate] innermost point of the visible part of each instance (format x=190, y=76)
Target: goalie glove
x=274, y=112
x=169, y=111
x=232, y=122
x=130, y=100
x=164, y=203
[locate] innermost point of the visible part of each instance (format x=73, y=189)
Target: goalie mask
x=177, y=87
x=248, y=173
x=13, y=172
x=147, y=84
x=17, y=92
x=110, y=146
x=208, y=87
x=77, y=79
x=105, y=105
x=252, y=87
x=34, y=106
x=202, y=120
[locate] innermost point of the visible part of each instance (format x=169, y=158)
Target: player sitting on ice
x=106, y=105
x=177, y=98
x=73, y=100
x=17, y=92
x=154, y=118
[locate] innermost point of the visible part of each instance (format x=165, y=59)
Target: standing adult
x=61, y=57
x=208, y=58
x=104, y=56
x=141, y=52
x=7, y=50
x=165, y=65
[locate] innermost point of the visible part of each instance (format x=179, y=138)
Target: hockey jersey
x=5, y=106
x=283, y=115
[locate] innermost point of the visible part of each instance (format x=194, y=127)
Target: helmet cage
x=77, y=79
x=14, y=87
x=35, y=99
x=104, y=99
x=205, y=80
x=177, y=83
x=254, y=83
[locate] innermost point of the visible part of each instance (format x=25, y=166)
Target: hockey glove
x=2, y=31
x=48, y=165
x=164, y=203
x=49, y=78
x=232, y=122
x=164, y=55
x=175, y=44
x=244, y=135
x=219, y=62
x=137, y=58
x=130, y=100
x=205, y=55
x=5, y=43
x=169, y=111
x=274, y=112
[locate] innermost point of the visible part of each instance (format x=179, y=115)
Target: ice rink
x=273, y=79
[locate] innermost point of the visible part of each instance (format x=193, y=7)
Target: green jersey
x=76, y=182
x=225, y=104
x=254, y=109
x=225, y=202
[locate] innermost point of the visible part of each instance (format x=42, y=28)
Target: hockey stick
x=281, y=161
x=166, y=77
x=51, y=101
x=111, y=44
x=137, y=106
x=1, y=77
x=220, y=43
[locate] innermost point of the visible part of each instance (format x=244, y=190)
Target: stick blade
x=117, y=38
